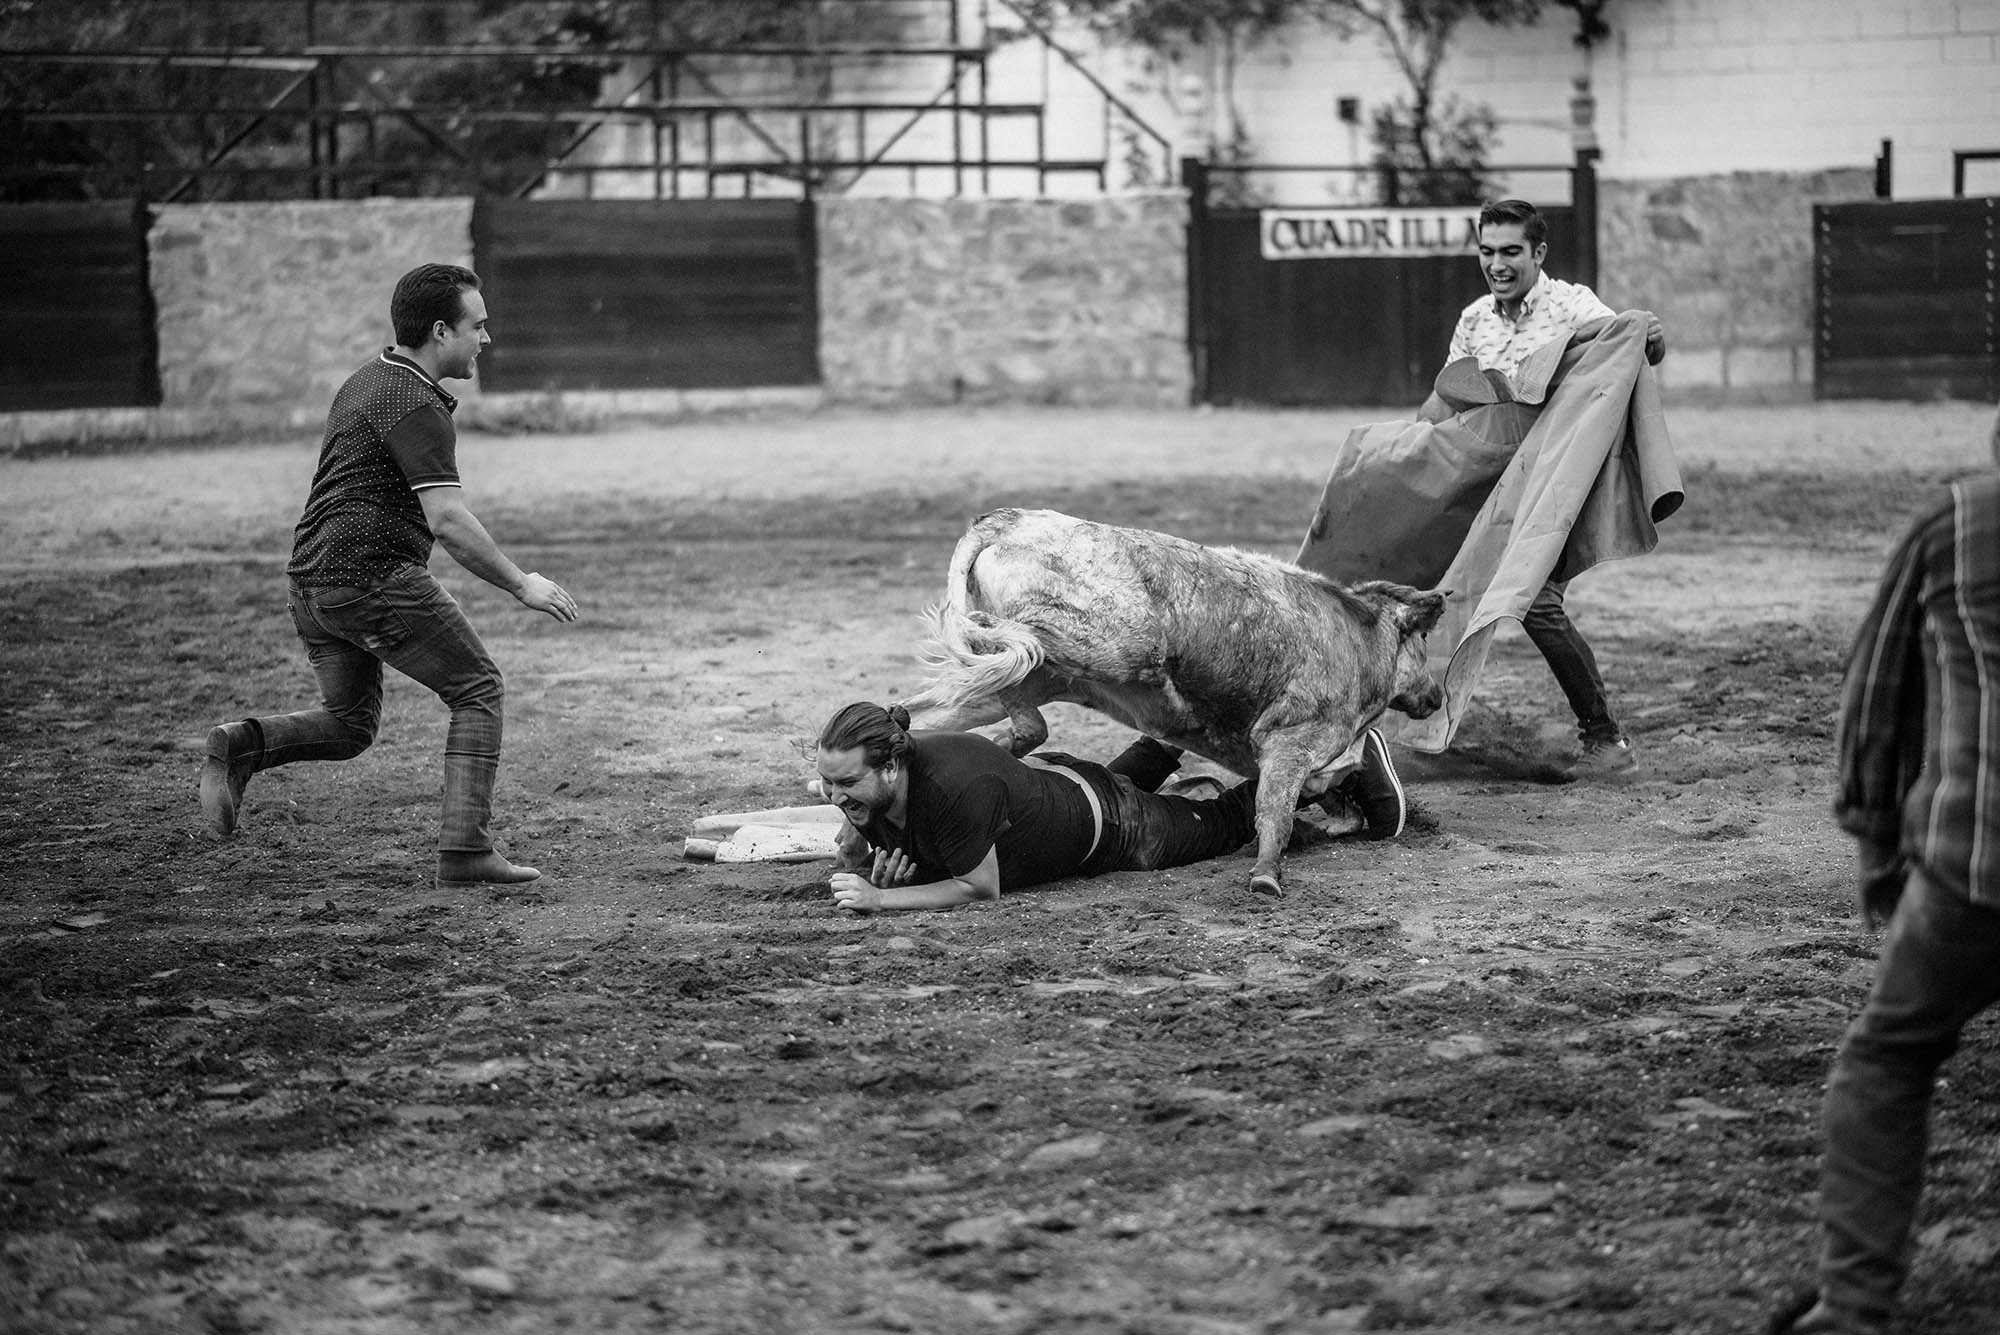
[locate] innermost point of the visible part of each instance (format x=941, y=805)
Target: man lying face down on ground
x=937, y=819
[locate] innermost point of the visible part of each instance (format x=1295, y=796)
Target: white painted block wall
x=1683, y=87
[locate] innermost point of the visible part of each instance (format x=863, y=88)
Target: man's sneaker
x=1376, y=790
x=225, y=772
x=1604, y=757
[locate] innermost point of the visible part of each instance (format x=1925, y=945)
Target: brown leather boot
x=233, y=750
x=483, y=868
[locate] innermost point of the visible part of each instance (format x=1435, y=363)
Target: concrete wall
x=1727, y=264
x=266, y=308
x=1049, y=301
x=1719, y=85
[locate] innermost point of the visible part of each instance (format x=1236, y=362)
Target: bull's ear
x=1421, y=611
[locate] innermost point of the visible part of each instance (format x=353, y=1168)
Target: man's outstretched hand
x=545, y=595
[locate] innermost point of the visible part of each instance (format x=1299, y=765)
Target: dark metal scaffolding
x=906, y=107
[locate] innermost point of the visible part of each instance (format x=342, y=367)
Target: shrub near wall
x=264, y=309
x=1726, y=262
x=1039, y=301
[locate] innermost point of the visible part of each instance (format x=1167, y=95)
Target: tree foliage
x=1164, y=25
x=429, y=123
x=1430, y=148
x=1214, y=35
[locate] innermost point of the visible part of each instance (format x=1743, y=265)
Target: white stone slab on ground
x=766, y=843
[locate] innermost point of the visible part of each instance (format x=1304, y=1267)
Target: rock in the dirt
x=987, y=1230
x=1398, y=1214
x=1458, y=1047
x=1537, y=1288
x=1062, y=1153
x=491, y=1281
x=1529, y=1198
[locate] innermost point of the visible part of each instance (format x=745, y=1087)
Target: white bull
x=1250, y=661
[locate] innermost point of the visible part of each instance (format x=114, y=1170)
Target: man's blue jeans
x=1570, y=659
x=1940, y=967
x=410, y=623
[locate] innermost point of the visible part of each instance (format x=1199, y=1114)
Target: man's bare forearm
x=936, y=895
x=473, y=547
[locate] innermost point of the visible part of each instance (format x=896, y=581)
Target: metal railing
x=314, y=120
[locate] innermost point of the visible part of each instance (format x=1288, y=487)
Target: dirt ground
x=1550, y=1062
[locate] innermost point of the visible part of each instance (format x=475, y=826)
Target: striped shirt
x=1919, y=740
x=1551, y=310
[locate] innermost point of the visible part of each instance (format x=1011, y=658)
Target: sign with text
x=1383, y=234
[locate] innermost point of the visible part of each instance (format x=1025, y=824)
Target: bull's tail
x=971, y=655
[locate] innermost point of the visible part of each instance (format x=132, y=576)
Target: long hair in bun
x=882, y=734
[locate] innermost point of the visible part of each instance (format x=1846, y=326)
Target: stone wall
x=1727, y=264
x=263, y=309
x=1045, y=301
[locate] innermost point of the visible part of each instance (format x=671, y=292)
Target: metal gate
x=647, y=294
x=76, y=312
x=1906, y=300
x=1351, y=330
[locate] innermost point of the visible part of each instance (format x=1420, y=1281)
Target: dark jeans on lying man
x=1145, y=830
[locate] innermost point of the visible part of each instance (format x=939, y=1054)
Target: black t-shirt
x=389, y=434
x=969, y=795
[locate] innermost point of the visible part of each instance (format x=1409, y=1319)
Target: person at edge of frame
x=1918, y=786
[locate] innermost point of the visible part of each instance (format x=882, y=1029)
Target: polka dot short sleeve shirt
x=389, y=435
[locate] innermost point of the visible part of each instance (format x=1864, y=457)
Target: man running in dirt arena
x=1527, y=311
x=1918, y=786
x=361, y=594
x=937, y=819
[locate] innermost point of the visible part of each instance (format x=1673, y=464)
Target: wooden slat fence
x=76, y=312
x=1907, y=300
x=646, y=294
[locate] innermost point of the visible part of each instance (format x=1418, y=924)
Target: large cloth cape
x=1499, y=487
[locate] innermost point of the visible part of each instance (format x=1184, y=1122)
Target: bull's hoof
x=1266, y=883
